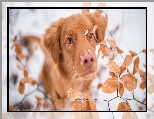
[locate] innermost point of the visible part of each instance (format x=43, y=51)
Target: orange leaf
x=15, y=39
x=77, y=106
x=112, y=58
x=119, y=50
x=26, y=80
x=136, y=67
x=104, y=49
x=143, y=83
x=59, y=103
x=33, y=82
x=142, y=74
x=123, y=107
x=39, y=99
x=132, y=53
x=99, y=86
x=113, y=74
x=144, y=51
x=19, y=67
x=45, y=105
x=129, y=82
x=21, y=88
x=120, y=89
x=89, y=105
x=127, y=61
x=25, y=73
x=112, y=44
x=72, y=94
x=11, y=108
x=110, y=85
x=18, y=49
x=114, y=67
x=122, y=69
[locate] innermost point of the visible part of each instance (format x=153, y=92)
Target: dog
x=70, y=60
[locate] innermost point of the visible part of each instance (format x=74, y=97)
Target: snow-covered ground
x=131, y=35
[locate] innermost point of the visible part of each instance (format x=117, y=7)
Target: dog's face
x=72, y=41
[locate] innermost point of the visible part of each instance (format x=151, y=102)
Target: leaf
x=119, y=50
x=99, y=86
x=89, y=105
x=11, y=108
x=33, y=82
x=26, y=80
x=110, y=85
x=136, y=67
x=151, y=89
x=143, y=83
x=59, y=103
x=112, y=58
x=77, y=106
x=132, y=53
x=120, y=89
x=142, y=74
x=74, y=94
x=113, y=74
x=114, y=68
x=19, y=67
x=129, y=115
x=104, y=49
x=144, y=51
x=129, y=82
x=25, y=73
x=123, y=107
x=45, y=105
x=122, y=69
x=39, y=99
x=18, y=49
x=152, y=50
x=21, y=88
x=15, y=39
x=112, y=44
x=127, y=61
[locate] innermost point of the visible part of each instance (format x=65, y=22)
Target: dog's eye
x=69, y=40
x=91, y=36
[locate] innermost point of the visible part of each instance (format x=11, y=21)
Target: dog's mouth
x=88, y=75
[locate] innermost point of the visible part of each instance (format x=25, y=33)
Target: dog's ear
x=51, y=41
x=101, y=23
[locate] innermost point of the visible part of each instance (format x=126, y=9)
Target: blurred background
x=126, y=26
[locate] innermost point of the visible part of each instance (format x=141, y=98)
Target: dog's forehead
x=77, y=22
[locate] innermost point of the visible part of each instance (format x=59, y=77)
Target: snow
x=131, y=35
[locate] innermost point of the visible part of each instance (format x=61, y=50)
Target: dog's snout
x=88, y=60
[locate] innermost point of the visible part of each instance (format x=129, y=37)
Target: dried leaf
x=39, y=99
x=114, y=68
x=112, y=58
x=99, y=86
x=11, y=108
x=25, y=73
x=113, y=74
x=26, y=80
x=151, y=89
x=122, y=69
x=119, y=50
x=129, y=115
x=89, y=105
x=77, y=106
x=21, y=88
x=45, y=105
x=110, y=85
x=129, y=82
x=127, y=61
x=143, y=83
x=144, y=100
x=72, y=94
x=112, y=44
x=33, y=82
x=105, y=50
x=98, y=13
x=142, y=74
x=120, y=89
x=144, y=51
x=123, y=107
x=152, y=50
x=132, y=53
x=136, y=67
x=19, y=67
x=18, y=49
x=15, y=39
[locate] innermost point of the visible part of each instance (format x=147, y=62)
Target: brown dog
x=69, y=45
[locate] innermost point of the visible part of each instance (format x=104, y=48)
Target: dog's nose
x=88, y=60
